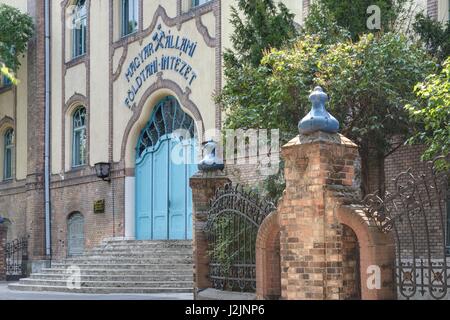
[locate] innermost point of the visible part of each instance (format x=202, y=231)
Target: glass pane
x=79, y=147
x=196, y=3
x=6, y=82
x=8, y=163
x=76, y=148
x=129, y=19
x=83, y=147
x=79, y=31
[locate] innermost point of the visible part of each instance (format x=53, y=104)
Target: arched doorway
x=165, y=160
x=75, y=234
x=351, y=264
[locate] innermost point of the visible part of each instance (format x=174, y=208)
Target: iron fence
x=16, y=259
x=415, y=212
x=232, y=227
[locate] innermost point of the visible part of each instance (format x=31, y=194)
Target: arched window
x=79, y=137
x=79, y=25
x=8, y=144
x=129, y=16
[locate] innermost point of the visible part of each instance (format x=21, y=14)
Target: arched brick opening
x=351, y=264
x=376, y=249
x=268, y=264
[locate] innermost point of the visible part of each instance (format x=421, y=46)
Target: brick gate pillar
x=309, y=238
x=204, y=186
x=326, y=243
x=3, y=232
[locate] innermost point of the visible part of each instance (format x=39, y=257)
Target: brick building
x=122, y=75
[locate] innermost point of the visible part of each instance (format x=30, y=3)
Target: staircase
x=129, y=267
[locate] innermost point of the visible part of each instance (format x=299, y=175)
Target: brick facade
x=80, y=196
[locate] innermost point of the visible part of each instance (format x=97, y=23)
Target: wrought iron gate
x=16, y=259
x=232, y=227
x=415, y=212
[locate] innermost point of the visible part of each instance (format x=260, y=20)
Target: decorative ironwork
x=232, y=227
x=415, y=213
x=167, y=118
x=16, y=259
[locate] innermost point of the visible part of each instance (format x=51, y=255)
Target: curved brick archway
x=376, y=249
x=351, y=264
x=268, y=266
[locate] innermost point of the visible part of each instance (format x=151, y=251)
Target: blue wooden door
x=163, y=196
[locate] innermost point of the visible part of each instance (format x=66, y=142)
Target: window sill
x=5, y=89
x=78, y=168
x=125, y=36
x=76, y=61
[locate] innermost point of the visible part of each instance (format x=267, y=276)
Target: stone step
x=131, y=256
x=139, y=266
x=139, y=252
x=147, y=244
x=107, y=284
x=122, y=272
x=111, y=256
x=108, y=277
x=98, y=290
x=100, y=260
x=121, y=266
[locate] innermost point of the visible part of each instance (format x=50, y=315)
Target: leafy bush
x=432, y=113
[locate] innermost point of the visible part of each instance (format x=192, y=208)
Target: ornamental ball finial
x=318, y=119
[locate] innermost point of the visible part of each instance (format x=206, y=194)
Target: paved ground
x=6, y=294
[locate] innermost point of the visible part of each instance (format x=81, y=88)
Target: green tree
x=16, y=29
x=369, y=82
x=435, y=36
x=352, y=15
x=432, y=114
x=258, y=25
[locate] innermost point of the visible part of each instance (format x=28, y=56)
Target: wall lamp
x=103, y=170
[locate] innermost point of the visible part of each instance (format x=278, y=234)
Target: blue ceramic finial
x=318, y=119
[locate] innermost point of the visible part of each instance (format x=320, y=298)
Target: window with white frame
x=196, y=3
x=129, y=13
x=79, y=137
x=79, y=28
x=8, y=145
